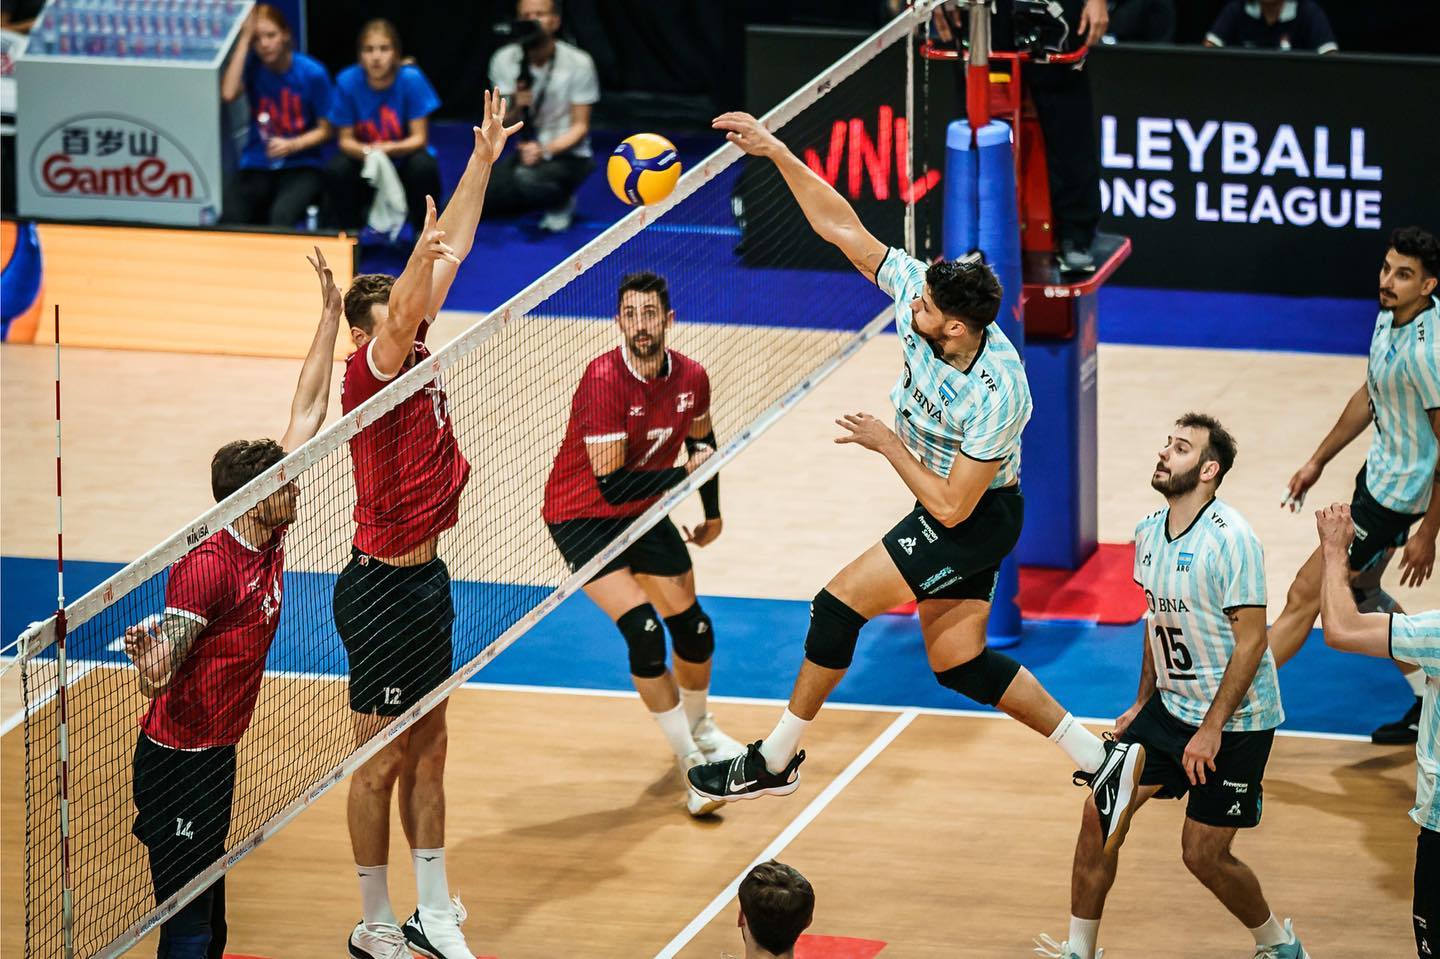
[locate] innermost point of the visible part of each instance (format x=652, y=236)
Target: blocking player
x=634, y=408
x=1394, y=489
x=961, y=403
x=1413, y=639
x=202, y=666
x=1209, y=700
x=393, y=607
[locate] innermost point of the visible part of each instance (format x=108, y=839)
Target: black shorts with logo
x=1378, y=529
x=1231, y=795
x=1426, y=906
x=961, y=561
x=396, y=624
x=660, y=552
x=182, y=809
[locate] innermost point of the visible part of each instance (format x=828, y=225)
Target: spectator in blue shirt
x=1273, y=25
x=381, y=104
x=288, y=93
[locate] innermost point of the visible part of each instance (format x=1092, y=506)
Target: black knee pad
x=645, y=638
x=692, y=635
x=834, y=630
x=984, y=679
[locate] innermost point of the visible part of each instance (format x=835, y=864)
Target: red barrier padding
x=1103, y=590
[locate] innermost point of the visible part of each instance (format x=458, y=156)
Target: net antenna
x=67, y=892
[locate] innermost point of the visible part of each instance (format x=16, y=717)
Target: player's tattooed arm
x=158, y=652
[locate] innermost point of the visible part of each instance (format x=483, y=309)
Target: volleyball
x=643, y=169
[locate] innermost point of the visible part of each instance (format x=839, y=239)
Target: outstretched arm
x=1352, y=422
x=831, y=217
x=312, y=392
x=950, y=499
x=410, y=298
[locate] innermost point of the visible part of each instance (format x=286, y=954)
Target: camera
x=528, y=33
x=1040, y=28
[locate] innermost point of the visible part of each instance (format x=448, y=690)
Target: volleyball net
x=761, y=303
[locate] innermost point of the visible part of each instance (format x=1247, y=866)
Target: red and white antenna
x=67, y=893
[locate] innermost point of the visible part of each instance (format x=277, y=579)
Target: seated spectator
x=1273, y=25
x=552, y=86
x=776, y=905
x=381, y=105
x=288, y=93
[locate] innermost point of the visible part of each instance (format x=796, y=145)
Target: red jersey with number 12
x=614, y=403
x=409, y=471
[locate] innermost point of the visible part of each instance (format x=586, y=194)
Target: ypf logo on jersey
x=116, y=158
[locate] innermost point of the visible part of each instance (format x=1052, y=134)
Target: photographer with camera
x=551, y=86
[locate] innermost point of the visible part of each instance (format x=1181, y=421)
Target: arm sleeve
x=993, y=430
x=1415, y=638
x=421, y=100
x=901, y=276
x=505, y=71
x=600, y=410
x=1242, y=576
x=1139, y=551
x=197, y=587
x=1427, y=375
x=1222, y=31
x=586, y=89
x=1322, y=38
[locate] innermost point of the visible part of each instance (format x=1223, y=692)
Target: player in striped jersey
x=961, y=403
x=1209, y=700
x=1412, y=639
x=202, y=666
x=1395, y=488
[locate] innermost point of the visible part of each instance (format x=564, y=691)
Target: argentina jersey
x=1190, y=581
x=1416, y=639
x=941, y=411
x=1403, y=378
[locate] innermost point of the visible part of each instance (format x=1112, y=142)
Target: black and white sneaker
x=436, y=932
x=745, y=777
x=1116, y=788
x=1403, y=732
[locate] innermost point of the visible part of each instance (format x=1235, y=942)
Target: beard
x=936, y=346
x=644, y=347
x=1175, y=484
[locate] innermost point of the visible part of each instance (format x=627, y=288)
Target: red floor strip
x=837, y=947
x=1103, y=590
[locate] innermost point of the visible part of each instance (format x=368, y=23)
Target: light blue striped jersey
x=941, y=411
x=1403, y=378
x=1190, y=581
x=1416, y=639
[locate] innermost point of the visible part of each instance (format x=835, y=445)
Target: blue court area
x=1092, y=670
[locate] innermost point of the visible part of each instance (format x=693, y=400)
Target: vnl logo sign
x=117, y=158
x=1233, y=172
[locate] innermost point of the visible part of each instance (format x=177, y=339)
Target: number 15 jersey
x=1217, y=564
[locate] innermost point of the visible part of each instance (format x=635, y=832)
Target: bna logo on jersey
x=1183, y=561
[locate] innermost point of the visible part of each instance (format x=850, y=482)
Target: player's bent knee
x=645, y=639
x=1369, y=597
x=692, y=635
x=984, y=678
x=834, y=631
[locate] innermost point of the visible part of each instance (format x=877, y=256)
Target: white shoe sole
x=1125, y=798
x=772, y=791
x=697, y=805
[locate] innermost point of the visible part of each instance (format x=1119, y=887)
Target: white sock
x=1416, y=679
x=783, y=742
x=1082, y=936
x=375, y=895
x=676, y=728
x=695, y=702
x=1270, y=933
x=431, y=888
x=1079, y=743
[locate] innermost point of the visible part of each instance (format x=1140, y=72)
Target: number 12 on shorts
x=392, y=696
x=1177, y=655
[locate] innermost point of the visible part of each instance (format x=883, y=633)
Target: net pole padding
x=39, y=638
x=910, y=244
x=576, y=581
x=67, y=892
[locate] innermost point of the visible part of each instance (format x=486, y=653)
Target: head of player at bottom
x=1410, y=272
x=1197, y=454
x=960, y=299
x=777, y=903
x=644, y=315
x=236, y=464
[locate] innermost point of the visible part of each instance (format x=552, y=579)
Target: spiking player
x=634, y=408
x=393, y=607
x=1209, y=699
x=202, y=666
x=961, y=403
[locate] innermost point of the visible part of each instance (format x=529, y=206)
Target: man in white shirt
x=551, y=86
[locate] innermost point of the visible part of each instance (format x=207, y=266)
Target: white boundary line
x=790, y=832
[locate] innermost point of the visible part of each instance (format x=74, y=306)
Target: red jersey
x=234, y=590
x=612, y=403
x=409, y=471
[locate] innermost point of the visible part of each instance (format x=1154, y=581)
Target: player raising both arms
x=634, y=408
x=393, y=607
x=202, y=666
x=961, y=403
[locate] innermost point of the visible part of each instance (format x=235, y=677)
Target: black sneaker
x=1403, y=732
x=1115, y=785
x=745, y=777
x=436, y=933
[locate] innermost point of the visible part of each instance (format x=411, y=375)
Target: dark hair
x=237, y=463
x=778, y=903
x=1421, y=244
x=381, y=25
x=966, y=289
x=644, y=282
x=365, y=291
x=1219, y=446
x=268, y=11
x=554, y=6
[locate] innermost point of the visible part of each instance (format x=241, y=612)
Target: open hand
x=1418, y=559
x=749, y=134
x=704, y=532
x=491, y=134
x=142, y=643
x=431, y=245
x=329, y=292
x=865, y=430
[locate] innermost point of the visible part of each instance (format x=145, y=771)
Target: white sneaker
x=716, y=746
x=436, y=933
x=559, y=219
x=378, y=940
x=696, y=804
x=1050, y=949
